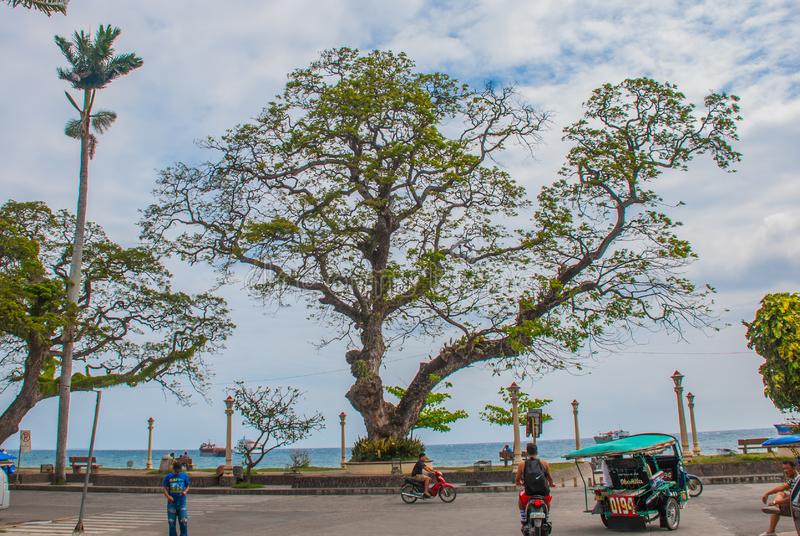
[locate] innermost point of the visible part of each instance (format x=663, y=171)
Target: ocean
x=452, y=455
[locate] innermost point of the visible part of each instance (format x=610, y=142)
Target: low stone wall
x=765, y=467
x=32, y=478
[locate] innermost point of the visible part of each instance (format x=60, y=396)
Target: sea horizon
x=443, y=454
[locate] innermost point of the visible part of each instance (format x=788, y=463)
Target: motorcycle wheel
x=671, y=514
x=538, y=530
x=405, y=494
x=447, y=495
x=695, y=486
x=604, y=519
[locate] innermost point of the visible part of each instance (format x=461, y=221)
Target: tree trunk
x=65, y=383
x=366, y=394
x=29, y=394
x=385, y=420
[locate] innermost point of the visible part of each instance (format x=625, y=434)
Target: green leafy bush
x=386, y=449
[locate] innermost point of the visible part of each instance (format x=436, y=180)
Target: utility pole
x=79, y=526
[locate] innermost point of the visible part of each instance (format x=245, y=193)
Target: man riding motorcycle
x=534, y=475
x=418, y=473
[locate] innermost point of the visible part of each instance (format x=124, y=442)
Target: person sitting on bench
x=779, y=506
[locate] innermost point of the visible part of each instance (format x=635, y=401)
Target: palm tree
x=47, y=7
x=92, y=66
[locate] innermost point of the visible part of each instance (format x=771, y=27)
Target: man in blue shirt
x=176, y=486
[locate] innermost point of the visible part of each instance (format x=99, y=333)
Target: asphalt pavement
x=721, y=511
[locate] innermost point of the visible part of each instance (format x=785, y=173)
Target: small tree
x=270, y=411
x=775, y=335
x=501, y=415
x=434, y=416
x=298, y=459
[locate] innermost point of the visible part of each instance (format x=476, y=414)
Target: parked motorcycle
x=537, y=518
x=414, y=489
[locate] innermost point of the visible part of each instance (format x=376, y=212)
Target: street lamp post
x=342, y=417
x=513, y=390
x=677, y=378
x=695, y=441
x=577, y=428
x=149, y=464
x=228, y=469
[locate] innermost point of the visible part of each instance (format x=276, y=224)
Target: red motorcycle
x=413, y=489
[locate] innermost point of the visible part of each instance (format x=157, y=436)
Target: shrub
x=298, y=459
x=385, y=449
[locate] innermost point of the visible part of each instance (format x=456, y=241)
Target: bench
x=186, y=462
x=506, y=456
x=80, y=462
x=753, y=444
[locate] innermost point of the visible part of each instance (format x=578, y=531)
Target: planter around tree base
x=392, y=467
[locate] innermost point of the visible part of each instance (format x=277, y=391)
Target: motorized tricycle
x=414, y=489
x=643, y=481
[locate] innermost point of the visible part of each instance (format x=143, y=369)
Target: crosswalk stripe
x=114, y=522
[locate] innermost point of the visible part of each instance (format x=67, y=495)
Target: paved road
x=721, y=511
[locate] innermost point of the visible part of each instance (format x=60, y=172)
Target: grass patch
x=247, y=485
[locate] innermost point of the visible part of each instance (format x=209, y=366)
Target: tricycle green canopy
x=626, y=445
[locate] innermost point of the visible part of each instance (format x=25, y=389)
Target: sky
x=211, y=65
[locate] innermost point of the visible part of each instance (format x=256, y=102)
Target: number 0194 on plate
x=622, y=505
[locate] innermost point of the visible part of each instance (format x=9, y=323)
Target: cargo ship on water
x=210, y=449
x=612, y=435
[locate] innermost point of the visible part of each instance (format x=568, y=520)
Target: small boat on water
x=785, y=428
x=210, y=449
x=611, y=435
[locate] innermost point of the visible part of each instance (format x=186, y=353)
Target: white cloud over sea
x=210, y=65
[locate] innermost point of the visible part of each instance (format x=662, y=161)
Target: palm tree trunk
x=65, y=382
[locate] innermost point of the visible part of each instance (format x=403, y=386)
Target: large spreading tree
x=373, y=190
x=131, y=327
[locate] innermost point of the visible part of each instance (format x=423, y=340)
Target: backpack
x=535, y=478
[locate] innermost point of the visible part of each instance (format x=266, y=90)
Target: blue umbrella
x=783, y=441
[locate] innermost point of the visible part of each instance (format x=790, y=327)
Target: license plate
x=538, y=515
x=622, y=506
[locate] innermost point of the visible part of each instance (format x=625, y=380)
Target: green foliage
x=48, y=7
x=131, y=327
x=775, y=335
x=501, y=415
x=434, y=416
x=386, y=449
x=92, y=66
x=92, y=62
